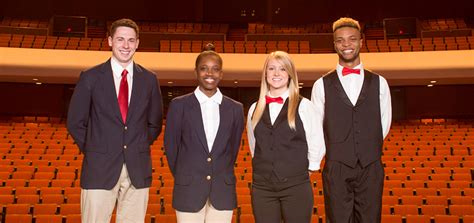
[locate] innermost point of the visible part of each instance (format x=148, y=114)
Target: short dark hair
x=123, y=22
x=346, y=22
x=208, y=50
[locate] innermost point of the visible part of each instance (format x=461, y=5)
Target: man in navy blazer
x=202, y=139
x=114, y=115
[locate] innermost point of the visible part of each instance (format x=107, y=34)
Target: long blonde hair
x=294, y=93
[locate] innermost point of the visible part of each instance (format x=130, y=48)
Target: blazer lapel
x=196, y=118
x=225, y=118
x=137, y=90
x=365, y=87
x=109, y=88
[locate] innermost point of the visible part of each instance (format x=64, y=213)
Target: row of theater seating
x=429, y=24
x=25, y=22
x=419, y=44
x=288, y=29
x=53, y=42
x=144, y=26
x=185, y=46
x=183, y=27
x=42, y=166
x=443, y=24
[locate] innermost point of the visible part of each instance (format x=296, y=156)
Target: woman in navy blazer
x=202, y=138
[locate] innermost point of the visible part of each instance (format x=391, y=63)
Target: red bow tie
x=346, y=71
x=269, y=100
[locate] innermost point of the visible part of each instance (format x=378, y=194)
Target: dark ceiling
x=241, y=11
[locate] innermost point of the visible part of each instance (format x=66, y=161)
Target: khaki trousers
x=97, y=205
x=208, y=214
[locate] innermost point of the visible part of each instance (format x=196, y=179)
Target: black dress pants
x=353, y=195
x=290, y=199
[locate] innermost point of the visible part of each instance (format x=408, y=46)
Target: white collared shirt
x=210, y=114
x=352, y=84
x=313, y=129
x=117, y=70
x=275, y=108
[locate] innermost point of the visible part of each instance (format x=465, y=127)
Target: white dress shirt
x=117, y=70
x=313, y=129
x=352, y=84
x=210, y=114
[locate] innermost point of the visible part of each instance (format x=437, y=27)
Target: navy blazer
x=95, y=123
x=199, y=174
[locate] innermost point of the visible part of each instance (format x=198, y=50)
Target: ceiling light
x=433, y=82
x=429, y=85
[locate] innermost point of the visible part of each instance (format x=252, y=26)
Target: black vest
x=280, y=150
x=352, y=133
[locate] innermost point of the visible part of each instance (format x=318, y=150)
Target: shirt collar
x=340, y=67
x=285, y=95
x=117, y=69
x=202, y=98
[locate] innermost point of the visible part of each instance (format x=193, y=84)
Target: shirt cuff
x=314, y=166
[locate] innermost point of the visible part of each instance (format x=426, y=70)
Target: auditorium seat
x=47, y=218
x=436, y=200
x=411, y=200
x=165, y=218
x=391, y=218
x=417, y=219
x=468, y=218
x=153, y=209
x=445, y=219
x=18, y=218
x=432, y=210
x=18, y=209
x=248, y=218
x=69, y=209
x=52, y=199
x=450, y=191
x=44, y=209
x=461, y=210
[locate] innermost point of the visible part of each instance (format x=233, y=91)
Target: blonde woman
x=286, y=144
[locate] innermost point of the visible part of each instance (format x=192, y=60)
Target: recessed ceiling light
x=170, y=82
x=39, y=83
x=35, y=79
x=236, y=82
x=429, y=85
x=433, y=82
x=301, y=83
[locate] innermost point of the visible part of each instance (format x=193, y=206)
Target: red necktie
x=123, y=96
x=346, y=71
x=269, y=100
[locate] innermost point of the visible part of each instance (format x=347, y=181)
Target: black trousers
x=290, y=200
x=353, y=195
